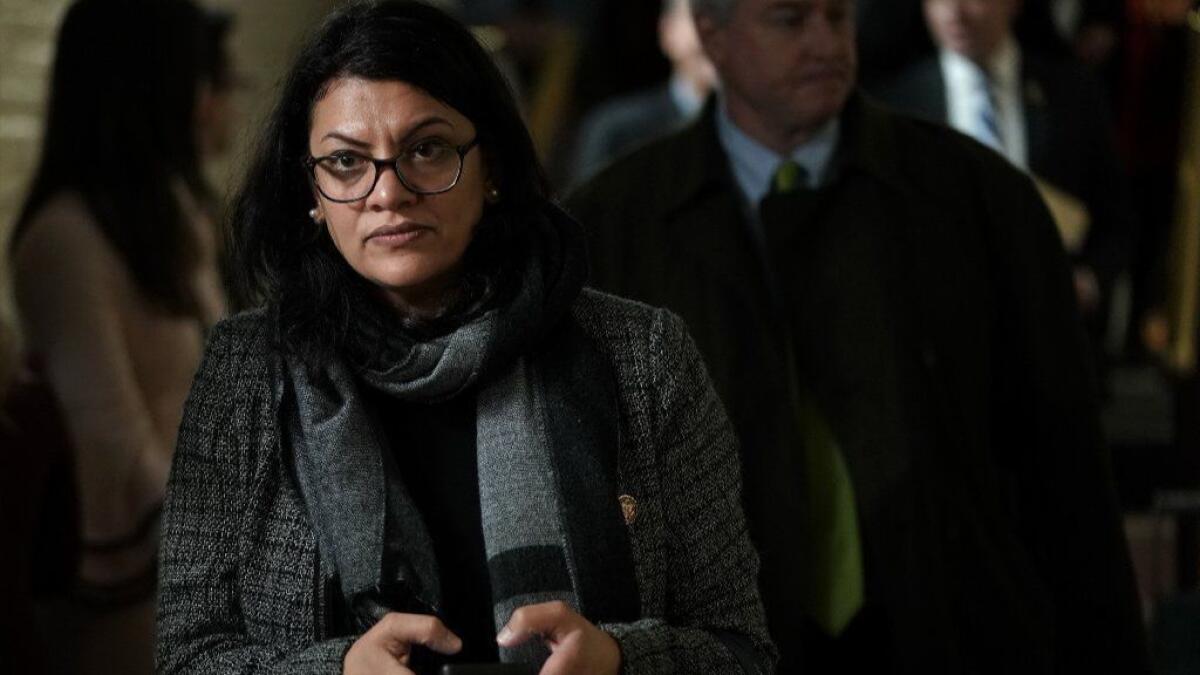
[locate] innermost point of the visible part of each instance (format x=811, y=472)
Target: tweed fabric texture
x=241, y=586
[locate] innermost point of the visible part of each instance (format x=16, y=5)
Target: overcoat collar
x=701, y=206
x=867, y=143
x=702, y=165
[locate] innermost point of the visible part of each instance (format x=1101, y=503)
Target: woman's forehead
x=354, y=104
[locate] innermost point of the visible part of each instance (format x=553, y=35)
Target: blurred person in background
x=1160, y=119
x=1152, y=99
x=114, y=257
x=433, y=444
x=215, y=110
x=887, y=310
x=1046, y=115
x=620, y=125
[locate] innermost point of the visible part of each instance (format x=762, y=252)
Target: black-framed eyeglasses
x=427, y=167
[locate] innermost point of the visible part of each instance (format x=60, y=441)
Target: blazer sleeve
x=226, y=429
x=715, y=620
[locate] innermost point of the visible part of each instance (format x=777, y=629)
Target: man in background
x=1046, y=115
x=887, y=311
x=622, y=124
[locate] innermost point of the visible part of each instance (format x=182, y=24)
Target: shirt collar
x=1003, y=67
x=684, y=96
x=754, y=164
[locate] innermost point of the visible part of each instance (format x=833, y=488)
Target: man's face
x=972, y=28
x=787, y=65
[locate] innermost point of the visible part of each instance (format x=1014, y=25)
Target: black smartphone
x=488, y=669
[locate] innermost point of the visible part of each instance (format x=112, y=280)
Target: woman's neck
x=428, y=300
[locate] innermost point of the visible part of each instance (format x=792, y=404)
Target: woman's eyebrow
x=337, y=135
x=417, y=128
x=425, y=123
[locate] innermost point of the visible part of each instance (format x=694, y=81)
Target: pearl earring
x=315, y=214
x=492, y=195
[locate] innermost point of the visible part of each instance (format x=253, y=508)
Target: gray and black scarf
x=547, y=436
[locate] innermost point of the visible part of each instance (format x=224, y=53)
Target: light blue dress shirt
x=754, y=165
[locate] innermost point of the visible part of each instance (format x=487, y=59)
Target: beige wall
x=265, y=36
x=26, y=53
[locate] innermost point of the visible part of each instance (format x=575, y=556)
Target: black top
x=434, y=446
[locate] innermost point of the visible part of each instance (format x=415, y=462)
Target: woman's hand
x=575, y=644
x=387, y=647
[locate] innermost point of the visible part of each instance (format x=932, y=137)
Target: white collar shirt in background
x=683, y=95
x=965, y=97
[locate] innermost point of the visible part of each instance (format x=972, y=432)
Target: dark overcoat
x=927, y=304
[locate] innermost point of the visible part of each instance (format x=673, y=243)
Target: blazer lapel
x=583, y=421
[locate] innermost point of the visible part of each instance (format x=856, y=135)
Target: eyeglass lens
x=428, y=167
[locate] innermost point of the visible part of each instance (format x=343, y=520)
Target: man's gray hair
x=717, y=10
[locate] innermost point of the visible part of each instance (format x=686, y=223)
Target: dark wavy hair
x=120, y=128
x=281, y=256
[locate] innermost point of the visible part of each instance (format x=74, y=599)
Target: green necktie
x=833, y=587
x=789, y=177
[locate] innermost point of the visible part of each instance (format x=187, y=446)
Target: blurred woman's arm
x=72, y=292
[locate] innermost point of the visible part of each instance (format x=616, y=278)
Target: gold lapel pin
x=628, y=508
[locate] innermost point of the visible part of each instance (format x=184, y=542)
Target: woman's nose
x=390, y=192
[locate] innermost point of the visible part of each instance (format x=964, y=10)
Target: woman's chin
x=416, y=292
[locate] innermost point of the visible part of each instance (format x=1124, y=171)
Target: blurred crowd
x=118, y=274
x=1105, y=104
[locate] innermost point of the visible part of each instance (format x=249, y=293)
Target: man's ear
x=713, y=37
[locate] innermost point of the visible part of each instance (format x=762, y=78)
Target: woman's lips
x=396, y=235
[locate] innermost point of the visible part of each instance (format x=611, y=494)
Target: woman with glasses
x=114, y=258
x=432, y=445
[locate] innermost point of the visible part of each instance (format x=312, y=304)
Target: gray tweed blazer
x=241, y=588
